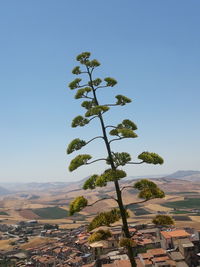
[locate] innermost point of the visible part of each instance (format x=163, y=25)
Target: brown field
x=35, y=242
x=5, y=244
x=18, y=208
x=28, y=214
x=69, y=226
x=157, y=207
x=195, y=219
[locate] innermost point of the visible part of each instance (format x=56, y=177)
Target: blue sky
x=150, y=47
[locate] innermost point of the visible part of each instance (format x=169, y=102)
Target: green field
x=51, y=213
x=141, y=211
x=56, y=213
x=137, y=209
x=3, y=213
x=190, y=203
x=181, y=212
x=183, y=193
x=132, y=207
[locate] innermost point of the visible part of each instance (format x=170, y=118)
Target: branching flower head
x=99, y=235
x=75, y=144
x=163, y=220
x=77, y=205
x=151, y=158
x=79, y=161
x=148, y=189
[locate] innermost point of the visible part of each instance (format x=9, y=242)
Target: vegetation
x=87, y=91
x=141, y=211
x=99, y=235
x=163, y=220
x=184, y=212
x=3, y=213
x=51, y=213
x=189, y=203
x=56, y=213
x=127, y=242
x=137, y=209
x=105, y=219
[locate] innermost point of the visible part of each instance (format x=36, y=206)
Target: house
x=102, y=247
x=118, y=263
x=168, y=237
x=187, y=249
x=155, y=257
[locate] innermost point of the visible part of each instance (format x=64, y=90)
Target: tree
x=88, y=92
x=163, y=220
x=99, y=235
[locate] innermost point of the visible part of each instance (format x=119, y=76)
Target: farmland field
x=3, y=213
x=190, y=203
x=56, y=213
x=141, y=211
x=51, y=213
x=182, y=193
x=182, y=218
x=181, y=212
x=138, y=211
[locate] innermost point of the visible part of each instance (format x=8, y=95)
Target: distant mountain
x=4, y=191
x=6, y=188
x=36, y=186
x=185, y=175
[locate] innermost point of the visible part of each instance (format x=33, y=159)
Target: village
x=154, y=246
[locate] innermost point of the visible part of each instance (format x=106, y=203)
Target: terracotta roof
x=119, y=263
x=156, y=251
x=146, y=262
x=144, y=241
x=145, y=255
x=175, y=233
x=132, y=230
x=139, y=263
x=160, y=259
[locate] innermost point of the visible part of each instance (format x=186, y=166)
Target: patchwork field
x=190, y=203
x=51, y=206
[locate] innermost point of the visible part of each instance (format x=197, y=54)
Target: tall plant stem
x=117, y=188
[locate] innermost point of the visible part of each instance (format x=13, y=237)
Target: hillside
x=4, y=191
x=189, y=175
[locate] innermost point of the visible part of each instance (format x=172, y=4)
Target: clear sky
x=151, y=47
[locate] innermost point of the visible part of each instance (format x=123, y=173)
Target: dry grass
x=192, y=224
x=34, y=206
x=157, y=207
x=69, y=226
x=28, y=214
x=35, y=242
x=5, y=244
x=57, y=221
x=195, y=219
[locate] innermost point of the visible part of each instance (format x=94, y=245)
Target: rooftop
x=118, y=263
x=174, y=233
x=157, y=251
x=176, y=256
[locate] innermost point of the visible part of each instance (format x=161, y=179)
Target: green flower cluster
x=148, y=190
x=77, y=205
x=104, y=219
x=99, y=235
